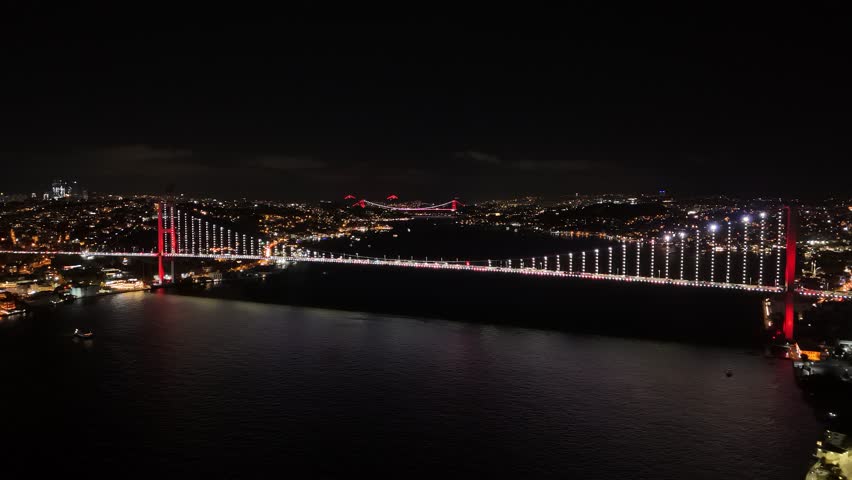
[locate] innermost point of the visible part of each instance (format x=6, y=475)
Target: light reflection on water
x=197, y=386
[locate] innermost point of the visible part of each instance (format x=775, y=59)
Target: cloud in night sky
x=604, y=103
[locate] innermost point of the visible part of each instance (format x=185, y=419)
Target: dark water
x=695, y=315
x=445, y=238
x=176, y=385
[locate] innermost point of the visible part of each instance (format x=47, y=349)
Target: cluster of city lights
x=188, y=236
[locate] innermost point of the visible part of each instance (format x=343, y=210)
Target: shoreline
x=28, y=308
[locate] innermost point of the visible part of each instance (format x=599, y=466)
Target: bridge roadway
x=460, y=266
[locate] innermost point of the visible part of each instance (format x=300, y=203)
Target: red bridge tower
x=790, y=273
x=161, y=240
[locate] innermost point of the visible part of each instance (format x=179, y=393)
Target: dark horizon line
x=542, y=197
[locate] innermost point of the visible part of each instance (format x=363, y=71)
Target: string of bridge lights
x=698, y=242
x=709, y=243
x=638, y=257
x=198, y=236
x=761, y=248
x=728, y=253
x=746, y=221
x=778, y=247
x=713, y=228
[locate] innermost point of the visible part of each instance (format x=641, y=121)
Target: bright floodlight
x=713, y=227
x=667, y=238
x=682, y=234
x=762, y=214
x=746, y=219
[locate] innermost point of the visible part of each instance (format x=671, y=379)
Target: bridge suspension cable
x=451, y=205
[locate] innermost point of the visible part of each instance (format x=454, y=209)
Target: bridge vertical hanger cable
x=713, y=228
x=778, y=246
x=180, y=232
x=761, y=247
x=639, y=258
x=609, y=258
x=187, y=244
x=745, y=250
x=653, y=248
x=728, y=253
x=697, y=252
x=173, y=233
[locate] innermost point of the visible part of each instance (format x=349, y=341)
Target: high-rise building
x=59, y=189
x=63, y=189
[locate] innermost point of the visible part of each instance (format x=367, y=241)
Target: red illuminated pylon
x=161, y=240
x=790, y=274
x=160, y=243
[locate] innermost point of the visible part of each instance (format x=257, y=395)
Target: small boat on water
x=83, y=335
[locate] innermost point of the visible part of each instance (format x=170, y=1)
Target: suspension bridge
x=746, y=254
x=450, y=206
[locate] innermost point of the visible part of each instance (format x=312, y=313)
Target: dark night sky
x=697, y=102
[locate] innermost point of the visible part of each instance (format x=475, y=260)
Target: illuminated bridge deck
x=452, y=266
